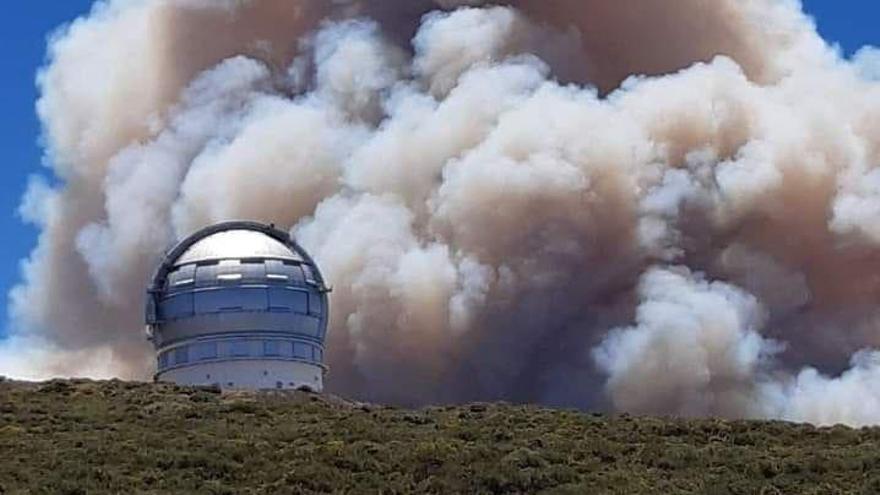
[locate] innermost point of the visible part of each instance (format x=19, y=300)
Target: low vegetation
x=83, y=437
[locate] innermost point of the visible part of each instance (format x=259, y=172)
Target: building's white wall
x=249, y=374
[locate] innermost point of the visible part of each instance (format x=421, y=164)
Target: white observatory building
x=240, y=305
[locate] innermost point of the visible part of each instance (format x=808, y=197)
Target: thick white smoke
x=650, y=206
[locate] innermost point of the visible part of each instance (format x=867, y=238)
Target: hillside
x=81, y=437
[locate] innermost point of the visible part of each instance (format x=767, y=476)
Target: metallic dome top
x=239, y=243
x=235, y=240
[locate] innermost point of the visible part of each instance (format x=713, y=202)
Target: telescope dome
x=237, y=244
x=239, y=305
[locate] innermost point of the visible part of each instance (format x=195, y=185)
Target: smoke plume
x=642, y=205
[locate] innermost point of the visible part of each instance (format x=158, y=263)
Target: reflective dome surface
x=237, y=244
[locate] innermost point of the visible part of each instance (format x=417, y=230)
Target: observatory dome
x=239, y=305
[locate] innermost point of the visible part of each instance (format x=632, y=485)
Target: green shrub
x=116, y=437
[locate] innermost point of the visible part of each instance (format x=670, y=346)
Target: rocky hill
x=83, y=437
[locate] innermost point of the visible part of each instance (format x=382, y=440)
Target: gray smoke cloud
x=639, y=206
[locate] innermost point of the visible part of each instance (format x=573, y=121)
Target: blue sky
x=26, y=25
x=850, y=23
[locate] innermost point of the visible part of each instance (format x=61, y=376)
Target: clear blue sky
x=26, y=24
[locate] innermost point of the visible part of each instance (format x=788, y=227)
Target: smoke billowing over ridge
x=645, y=206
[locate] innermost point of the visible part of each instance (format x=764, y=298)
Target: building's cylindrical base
x=249, y=374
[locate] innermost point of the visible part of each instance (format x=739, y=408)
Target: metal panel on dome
x=236, y=244
x=231, y=299
x=288, y=300
x=177, y=306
